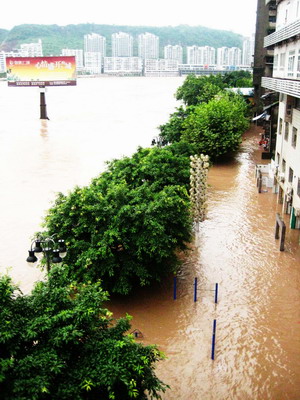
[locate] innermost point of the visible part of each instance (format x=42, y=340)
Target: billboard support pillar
x=43, y=105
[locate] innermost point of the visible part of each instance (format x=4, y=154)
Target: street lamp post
x=53, y=251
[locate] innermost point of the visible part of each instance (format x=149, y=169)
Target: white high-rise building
x=234, y=56
x=286, y=81
x=204, y=55
x=94, y=51
x=122, y=44
x=248, y=51
x=222, y=56
x=95, y=43
x=78, y=53
x=148, y=46
x=31, y=49
x=2, y=61
x=173, y=53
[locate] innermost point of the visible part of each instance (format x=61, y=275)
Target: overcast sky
x=238, y=16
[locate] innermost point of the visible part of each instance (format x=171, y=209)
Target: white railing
x=292, y=88
x=285, y=33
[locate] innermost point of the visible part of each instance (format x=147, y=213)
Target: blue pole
x=195, y=290
x=175, y=288
x=216, y=293
x=213, y=342
x=213, y=346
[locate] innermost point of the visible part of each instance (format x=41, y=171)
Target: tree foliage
x=60, y=343
x=128, y=224
x=196, y=90
x=216, y=128
x=213, y=119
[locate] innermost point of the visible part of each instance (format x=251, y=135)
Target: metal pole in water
x=216, y=293
x=213, y=342
x=43, y=106
x=195, y=290
x=175, y=288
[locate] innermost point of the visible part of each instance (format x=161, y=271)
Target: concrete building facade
x=286, y=81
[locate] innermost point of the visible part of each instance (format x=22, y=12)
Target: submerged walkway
x=257, y=355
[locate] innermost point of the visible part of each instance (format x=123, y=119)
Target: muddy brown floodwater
x=257, y=353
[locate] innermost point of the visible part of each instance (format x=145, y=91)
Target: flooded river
x=257, y=353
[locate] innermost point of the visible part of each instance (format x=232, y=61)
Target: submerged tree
x=59, y=343
x=128, y=225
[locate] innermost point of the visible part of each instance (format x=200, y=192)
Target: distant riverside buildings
x=174, y=53
x=93, y=58
x=123, y=65
x=32, y=49
x=203, y=55
x=122, y=45
x=148, y=46
x=78, y=57
x=94, y=51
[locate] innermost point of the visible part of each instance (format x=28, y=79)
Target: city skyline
x=232, y=15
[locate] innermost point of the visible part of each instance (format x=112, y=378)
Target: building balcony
x=282, y=34
x=289, y=87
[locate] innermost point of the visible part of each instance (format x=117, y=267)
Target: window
x=282, y=61
x=298, y=64
x=283, y=166
x=275, y=62
x=280, y=126
x=294, y=137
x=291, y=63
x=291, y=175
x=278, y=158
x=297, y=104
x=286, y=131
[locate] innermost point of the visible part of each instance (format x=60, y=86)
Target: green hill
x=56, y=37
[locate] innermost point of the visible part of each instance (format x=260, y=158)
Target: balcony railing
x=285, y=33
x=292, y=88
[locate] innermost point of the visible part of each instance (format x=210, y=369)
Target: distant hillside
x=56, y=37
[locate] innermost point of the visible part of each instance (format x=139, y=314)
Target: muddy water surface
x=257, y=354
x=258, y=319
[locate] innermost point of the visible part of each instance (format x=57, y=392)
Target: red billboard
x=41, y=71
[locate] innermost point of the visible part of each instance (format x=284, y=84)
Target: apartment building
x=31, y=49
x=122, y=44
x=286, y=81
x=173, y=53
x=123, y=65
x=94, y=51
x=160, y=67
x=78, y=53
x=148, y=46
x=248, y=51
x=201, y=55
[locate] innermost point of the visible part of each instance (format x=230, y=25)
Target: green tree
x=216, y=128
x=128, y=225
x=59, y=343
x=237, y=79
x=196, y=90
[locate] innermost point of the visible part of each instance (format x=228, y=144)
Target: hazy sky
x=232, y=15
